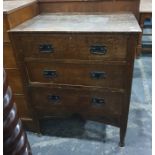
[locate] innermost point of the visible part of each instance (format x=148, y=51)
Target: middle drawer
x=87, y=74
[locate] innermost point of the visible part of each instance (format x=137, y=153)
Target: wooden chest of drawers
x=78, y=63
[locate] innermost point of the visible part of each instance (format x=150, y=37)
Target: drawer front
x=92, y=102
x=84, y=46
x=103, y=75
x=9, y=59
x=15, y=81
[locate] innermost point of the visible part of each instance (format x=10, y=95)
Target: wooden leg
x=122, y=136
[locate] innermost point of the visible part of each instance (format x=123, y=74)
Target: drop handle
x=97, y=101
x=98, y=75
x=46, y=48
x=53, y=99
x=50, y=74
x=98, y=49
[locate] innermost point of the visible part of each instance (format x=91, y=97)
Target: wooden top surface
x=10, y=6
x=77, y=22
x=146, y=6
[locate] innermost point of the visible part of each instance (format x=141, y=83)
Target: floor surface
x=77, y=137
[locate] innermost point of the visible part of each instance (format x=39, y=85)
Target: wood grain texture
x=90, y=6
x=12, y=18
x=25, y=13
x=5, y=28
x=14, y=13
x=74, y=46
x=14, y=78
x=23, y=110
x=129, y=76
x=8, y=56
x=71, y=89
x=77, y=74
x=78, y=100
x=12, y=6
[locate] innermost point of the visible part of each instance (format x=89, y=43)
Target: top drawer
x=75, y=46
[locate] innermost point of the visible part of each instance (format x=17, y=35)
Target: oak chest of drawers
x=78, y=63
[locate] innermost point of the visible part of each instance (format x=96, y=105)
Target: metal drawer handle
x=53, y=98
x=98, y=75
x=98, y=49
x=49, y=73
x=46, y=48
x=96, y=101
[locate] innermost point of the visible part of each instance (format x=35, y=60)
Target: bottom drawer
x=88, y=102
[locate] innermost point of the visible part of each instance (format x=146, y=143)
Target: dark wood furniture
x=78, y=63
x=14, y=137
x=15, y=13
x=145, y=13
